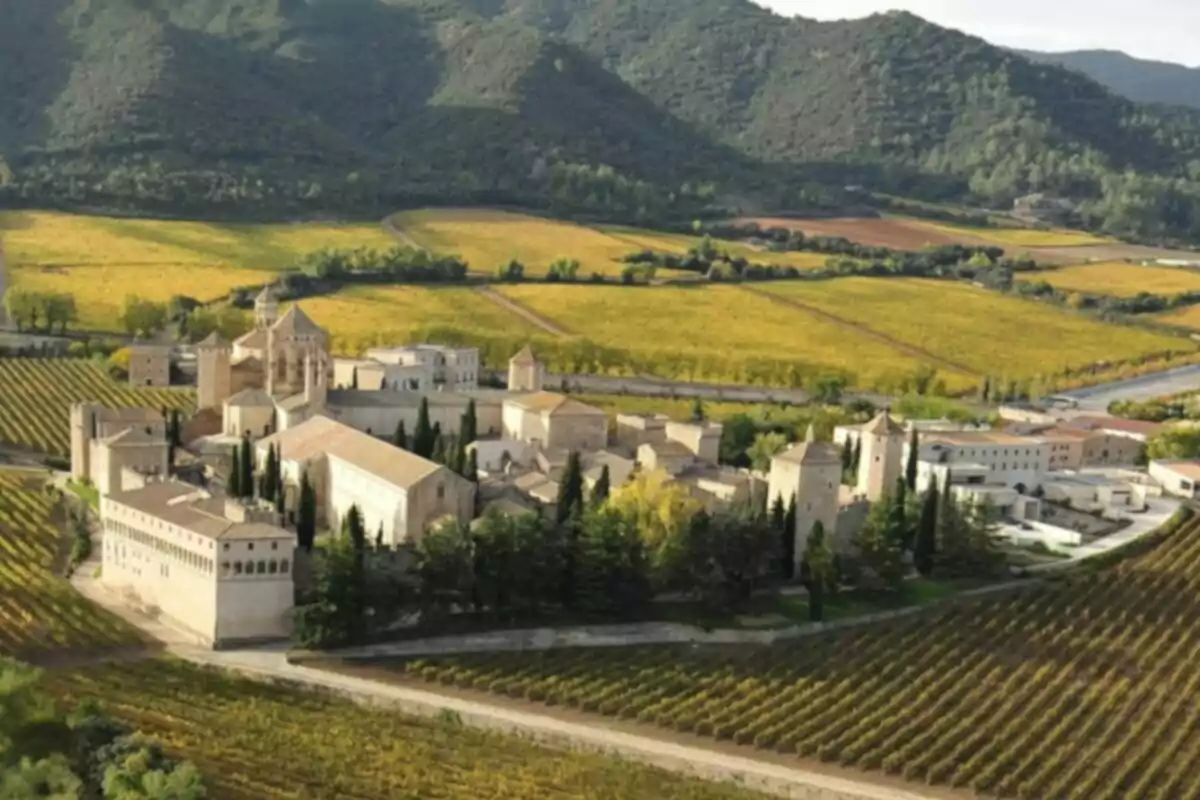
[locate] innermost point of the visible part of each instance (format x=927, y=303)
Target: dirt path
x=397, y=233
x=528, y=314
x=895, y=344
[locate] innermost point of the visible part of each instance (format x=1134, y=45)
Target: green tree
x=766, y=446
x=269, y=480
x=472, y=471
x=400, y=437
x=246, y=468
x=570, y=490
x=601, y=488
x=910, y=469
x=140, y=771
x=818, y=564
x=234, y=484
x=698, y=414
x=925, y=546
x=141, y=317
x=445, y=569
x=613, y=571
x=880, y=547
x=787, y=536
x=469, y=429
x=424, y=439
x=306, y=514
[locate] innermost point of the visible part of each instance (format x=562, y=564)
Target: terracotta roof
x=1188, y=469
x=194, y=510
x=254, y=340
x=812, y=453
x=883, y=425
x=1118, y=424
x=324, y=436
x=295, y=321
x=555, y=405
x=524, y=357
x=251, y=398
x=669, y=450
x=538, y=486
x=977, y=438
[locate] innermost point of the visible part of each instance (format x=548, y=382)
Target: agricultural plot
x=1085, y=691
x=362, y=317
x=1185, y=317
x=719, y=333
x=897, y=234
x=40, y=613
x=278, y=742
x=101, y=259
x=678, y=244
x=36, y=397
x=486, y=239
x=987, y=332
x=1120, y=279
x=1013, y=238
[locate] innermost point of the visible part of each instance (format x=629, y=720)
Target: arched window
x=283, y=566
x=272, y=566
x=237, y=568
x=262, y=568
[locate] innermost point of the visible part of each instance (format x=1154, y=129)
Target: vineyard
x=277, y=742
x=1085, y=690
x=39, y=611
x=1120, y=279
x=36, y=397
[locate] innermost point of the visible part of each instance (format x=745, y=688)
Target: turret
x=214, y=372
x=266, y=308
x=882, y=456
x=525, y=372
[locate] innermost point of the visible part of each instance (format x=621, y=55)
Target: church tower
x=525, y=372
x=214, y=372
x=882, y=457
x=266, y=309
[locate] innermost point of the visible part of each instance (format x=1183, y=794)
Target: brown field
x=1108, y=252
x=897, y=234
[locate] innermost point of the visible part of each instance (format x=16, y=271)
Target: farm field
x=278, y=742
x=994, y=334
x=1080, y=691
x=895, y=233
x=678, y=244
x=1014, y=238
x=102, y=259
x=361, y=317
x=486, y=239
x=718, y=333
x=40, y=613
x=1114, y=251
x=1186, y=317
x=37, y=394
x=1120, y=279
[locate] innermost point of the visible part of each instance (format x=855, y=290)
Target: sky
x=1163, y=30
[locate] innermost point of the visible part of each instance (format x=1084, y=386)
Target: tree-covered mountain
x=1138, y=79
x=189, y=105
x=635, y=107
x=894, y=90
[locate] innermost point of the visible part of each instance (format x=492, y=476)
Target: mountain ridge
x=1140, y=79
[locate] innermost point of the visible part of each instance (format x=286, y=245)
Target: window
x=262, y=568
x=272, y=567
x=225, y=547
x=274, y=545
x=283, y=566
x=250, y=546
x=237, y=568
x=441, y=492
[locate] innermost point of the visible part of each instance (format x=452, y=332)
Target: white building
x=552, y=421
x=115, y=449
x=1177, y=478
x=398, y=493
x=212, y=567
x=412, y=368
x=985, y=457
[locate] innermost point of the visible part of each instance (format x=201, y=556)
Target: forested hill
x=274, y=105
x=891, y=89
x=637, y=108
x=1138, y=79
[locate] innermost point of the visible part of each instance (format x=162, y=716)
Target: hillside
x=192, y=104
x=894, y=91
x=1138, y=79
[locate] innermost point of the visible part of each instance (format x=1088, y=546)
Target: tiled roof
x=554, y=405
x=324, y=436
x=194, y=510
x=883, y=425
x=254, y=340
x=295, y=321
x=1188, y=469
x=251, y=398
x=524, y=357
x=214, y=339
x=812, y=453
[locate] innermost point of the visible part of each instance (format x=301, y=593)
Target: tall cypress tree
x=400, y=437
x=787, y=536
x=233, y=486
x=818, y=563
x=910, y=469
x=469, y=429
x=897, y=519
x=247, y=469
x=269, y=479
x=439, y=451
x=570, y=490
x=306, y=515
x=857, y=460
x=472, y=471
x=602, y=488
x=422, y=443
x=925, y=546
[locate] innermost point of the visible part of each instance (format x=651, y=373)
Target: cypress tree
x=570, y=490
x=469, y=429
x=787, y=535
x=422, y=443
x=439, y=452
x=925, y=547
x=897, y=519
x=697, y=410
x=818, y=562
x=306, y=515
x=847, y=456
x=857, y=455
x=268, y=481
x=233, y=486
x=602, y=488
x=354, y=379
x=778, y=512
x=400, y=437
x=910, y=469
x=247, y=468
x=472, y=471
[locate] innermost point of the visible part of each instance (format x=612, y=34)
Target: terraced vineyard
x=39, y=611
x=280, y=742
x=36, y=397
x=1082, y=691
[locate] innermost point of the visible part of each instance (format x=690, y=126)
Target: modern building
x=215, y=568
x=113, y=449
x=986, y=457
x=1178, y=478
x=398, y=493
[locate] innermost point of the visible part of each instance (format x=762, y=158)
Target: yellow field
x=361, y=317
x=678, y=244
x=102, y=259
x=1187, y=317
x=39, y=611
x=988, y=332
x=1015, y=237
x=1120, y=279
x=36, y=397
x=716, y=333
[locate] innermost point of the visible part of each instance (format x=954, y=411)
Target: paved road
x=1145, y=387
